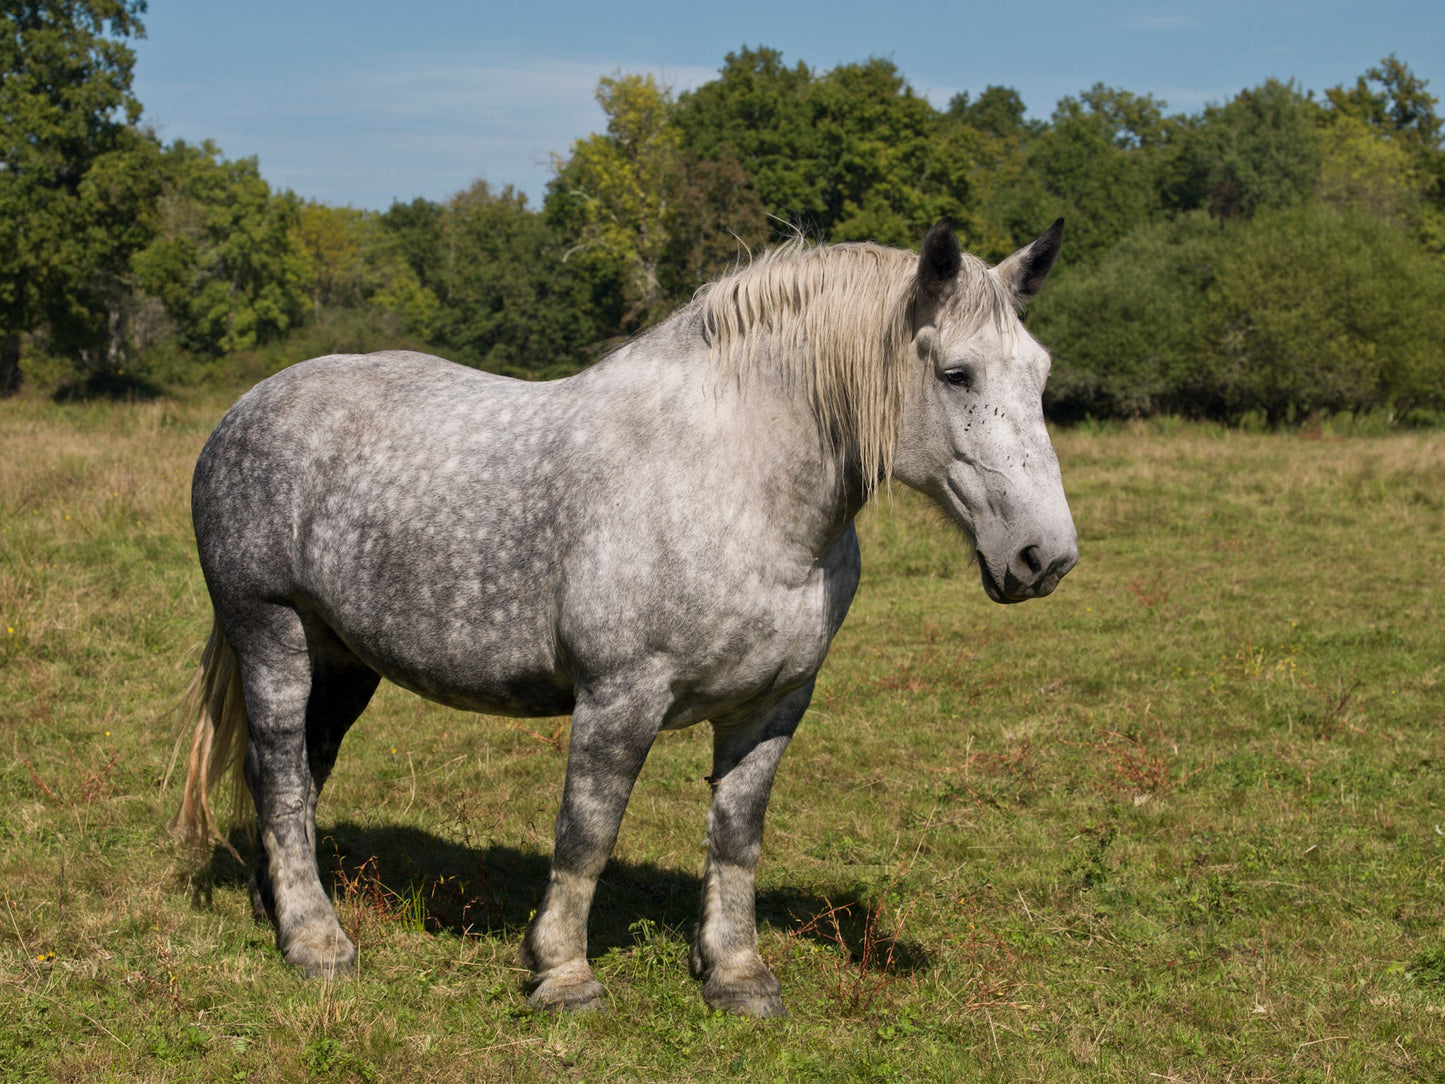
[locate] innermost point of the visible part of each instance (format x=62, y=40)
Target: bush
x=1127, y=332
x=1294, y=312
x=1329, y=309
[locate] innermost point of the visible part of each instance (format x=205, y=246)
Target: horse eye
x=959, y=378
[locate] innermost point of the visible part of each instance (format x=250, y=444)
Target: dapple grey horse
x=662, y=539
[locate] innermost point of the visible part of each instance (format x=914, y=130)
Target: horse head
x=972, y=435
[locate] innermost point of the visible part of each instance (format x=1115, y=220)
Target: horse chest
x=765, y=639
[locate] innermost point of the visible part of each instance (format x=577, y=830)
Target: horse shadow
x=445, y=886
x=117, y=387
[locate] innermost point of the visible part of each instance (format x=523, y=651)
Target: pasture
x=1184, y=820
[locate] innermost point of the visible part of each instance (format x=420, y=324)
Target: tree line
x=1278, y=254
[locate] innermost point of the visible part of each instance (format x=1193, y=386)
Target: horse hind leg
x=341, y=687
x=300, y=698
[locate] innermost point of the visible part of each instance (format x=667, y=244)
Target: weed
x=1151, y=592
x=1137, y=764
x=89, y=785
x=863, y=966
x=554, y=743
x=1333, y=706
x=367, y=905
x=1428, y=967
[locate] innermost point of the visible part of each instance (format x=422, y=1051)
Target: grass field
x=1182, y=821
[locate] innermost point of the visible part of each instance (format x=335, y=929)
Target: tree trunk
x=9, y=365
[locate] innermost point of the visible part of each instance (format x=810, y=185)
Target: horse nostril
x=1031, y=559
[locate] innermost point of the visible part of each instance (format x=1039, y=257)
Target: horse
x=664, y=538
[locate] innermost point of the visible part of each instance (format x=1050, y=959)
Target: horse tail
x=218, y=742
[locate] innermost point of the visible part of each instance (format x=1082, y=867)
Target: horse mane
x=836, y=322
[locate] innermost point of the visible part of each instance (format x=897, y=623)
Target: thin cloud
x=343, y=134
x=1163, y=22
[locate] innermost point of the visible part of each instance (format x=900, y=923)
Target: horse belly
x=457, y=621
x=498, y=662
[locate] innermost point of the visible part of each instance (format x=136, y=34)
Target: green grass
x=1180, y=821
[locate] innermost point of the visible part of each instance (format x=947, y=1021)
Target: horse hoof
x=336, y=970
x=762, y=1006
x=326, y=957
x=559, y=997
x=755, y=994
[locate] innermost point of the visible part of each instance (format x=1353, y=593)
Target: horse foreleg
x=608, y=745
x=746, y=751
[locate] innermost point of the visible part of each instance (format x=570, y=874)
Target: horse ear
x=939, y=261
x=1023, y=273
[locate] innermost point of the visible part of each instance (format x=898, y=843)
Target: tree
x=1260, y=151
x=758, y=112
x=853, y=154
x=875, y=147
x=1400, y=107
x=415, y=230
x=714, y=219
x=228, y=262
x=508, y=301
x=1391, y=102
x=1317, y=308
x=613, y=195
x=93, y=315
x=998, y=111
x=1359, y=169
x=354, y=260
x=981, y=171
x=66, y=116
x=1129, y=328
x=1096, y=164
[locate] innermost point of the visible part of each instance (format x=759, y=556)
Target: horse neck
x=753, y=435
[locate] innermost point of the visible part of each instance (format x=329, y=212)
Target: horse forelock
x=836, y=321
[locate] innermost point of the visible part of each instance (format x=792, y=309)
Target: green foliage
x=72, y=197
x=1259, y=151
x=612, y=197
x=758, y=111
x=1362, y=171
x=847, y=155
x=1318, y=309
x=1126, y=332
x=873, y=143
x=1393, y=100
x=228, y=263
x=508, y=300
x=1095, y=165
x=415, y=233
x=998, y=111
x=1313, y=308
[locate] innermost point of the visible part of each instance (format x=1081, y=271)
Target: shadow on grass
x=492, y=891
x=117, y=387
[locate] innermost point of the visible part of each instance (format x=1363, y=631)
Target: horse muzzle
x=1033, y=570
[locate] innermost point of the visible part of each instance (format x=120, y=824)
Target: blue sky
x=368, y=101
